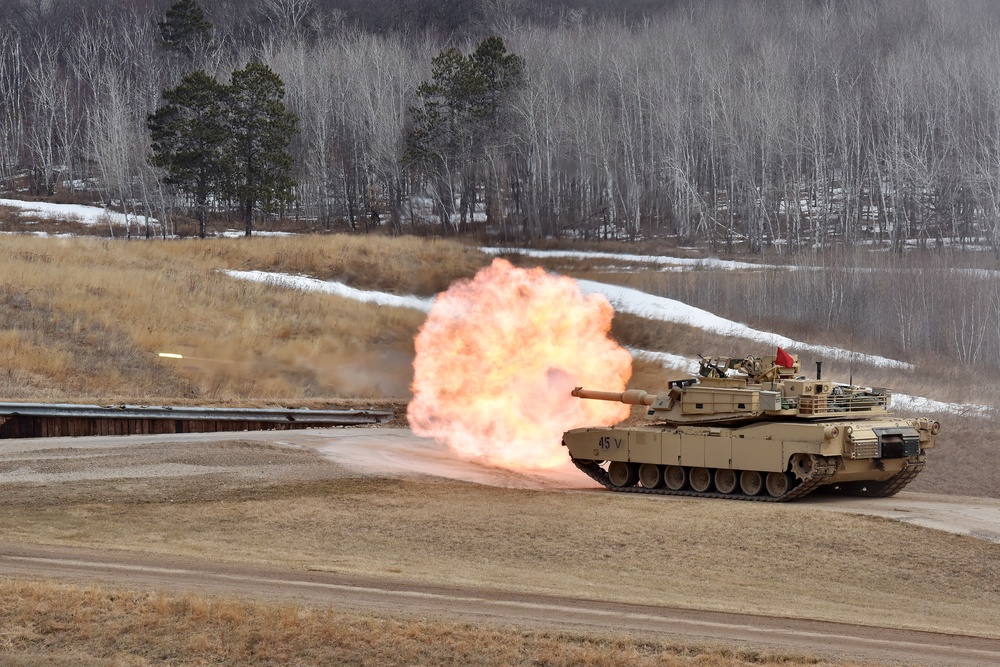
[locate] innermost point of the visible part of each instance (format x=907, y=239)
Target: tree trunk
x=248, y=216
x=201, y=221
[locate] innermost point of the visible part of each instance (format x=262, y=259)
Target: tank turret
x=753, y=428
x=752, y=388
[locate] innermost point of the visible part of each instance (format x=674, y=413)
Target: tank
x=751, y=429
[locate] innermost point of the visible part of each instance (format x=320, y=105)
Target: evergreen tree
x=494, y=73
x=188, y=134
x=463, y=101
x=460, y=115
x=185, y=28
x=261, y=128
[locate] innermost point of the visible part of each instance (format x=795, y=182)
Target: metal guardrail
x=39, y=420
x=303, y=415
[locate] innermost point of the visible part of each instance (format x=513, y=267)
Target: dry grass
x=964, y=463
x=48, y=624
x=84, y=317
x=405, y=265
x=722, y=555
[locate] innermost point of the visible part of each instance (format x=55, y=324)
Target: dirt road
x=864, y=643
x=399, y=452
x=396, y=452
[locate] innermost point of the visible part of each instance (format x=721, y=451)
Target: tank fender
x=599, y=444
x=791, y=448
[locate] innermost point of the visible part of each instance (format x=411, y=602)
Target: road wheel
x=623, y=474
x=725, y=480
x=675, y=478
x=751, y=482
x=651, y=476
x=701, y=479
x=778, y=483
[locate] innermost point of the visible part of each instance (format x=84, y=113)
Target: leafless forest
x=741, y=125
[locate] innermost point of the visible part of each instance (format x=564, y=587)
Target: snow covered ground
x=907, y=403
x=239, y=233
x=634, y=302
x=619, y=261
x=33, y=212
x=622, y=298
x=664, y=261
x=36, y=211
x=330, y=287
x=639, y=303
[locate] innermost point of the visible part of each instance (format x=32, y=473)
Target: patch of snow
x=330, y=287
x=667, y=360
x=907, y=403
x=42, y=235
x=87, y=215
x=239, y=233
x=641, y=304
x=624, y=299
x=663, y=260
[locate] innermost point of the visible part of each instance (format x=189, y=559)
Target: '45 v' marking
x=607, y=442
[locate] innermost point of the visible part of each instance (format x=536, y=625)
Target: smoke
x=496, y=361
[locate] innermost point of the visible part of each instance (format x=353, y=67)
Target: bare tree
x=13, y=105
x=48, y=106
x=289, y=18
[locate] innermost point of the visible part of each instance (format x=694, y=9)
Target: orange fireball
x=498, y=357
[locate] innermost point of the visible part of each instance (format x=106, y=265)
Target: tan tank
x=750, y=429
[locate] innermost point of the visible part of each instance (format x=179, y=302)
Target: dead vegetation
x=86, y=318
x=50, y=624
x=254, y=503
x=247, y=503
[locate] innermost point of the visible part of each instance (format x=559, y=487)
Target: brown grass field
x=57, y=625
x=82, y=320
x=85, y=318
x=729, y=556
x=291, y=508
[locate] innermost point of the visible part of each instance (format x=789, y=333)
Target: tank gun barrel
x=630, y=397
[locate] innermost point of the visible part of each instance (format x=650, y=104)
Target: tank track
x=889, y=487
x=822, y=471
x=912, y=468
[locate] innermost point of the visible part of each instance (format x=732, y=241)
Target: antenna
x=851, y=363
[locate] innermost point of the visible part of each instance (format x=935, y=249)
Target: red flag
x=784, y=359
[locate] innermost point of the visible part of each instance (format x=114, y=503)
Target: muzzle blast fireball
x=498, y=357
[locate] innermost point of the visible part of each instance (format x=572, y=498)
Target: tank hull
x=790, y=459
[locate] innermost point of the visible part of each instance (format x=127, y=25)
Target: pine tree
x=185, y=28
x=188, y=134
x=460, y=114
x=463, y=101
x=494, y=74
x=261, y=128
